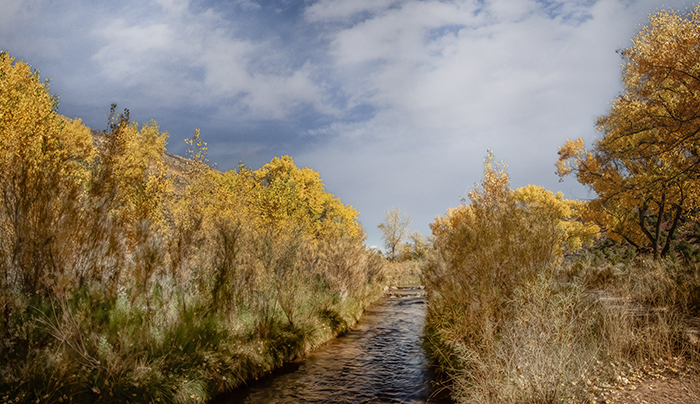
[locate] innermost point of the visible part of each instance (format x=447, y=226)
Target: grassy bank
x=170, y=346
x=240, y=303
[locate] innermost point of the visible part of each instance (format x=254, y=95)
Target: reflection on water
x=380, y=361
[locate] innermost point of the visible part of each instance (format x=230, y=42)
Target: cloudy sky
x=394, y=102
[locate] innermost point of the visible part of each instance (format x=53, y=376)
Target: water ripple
x=380, y=361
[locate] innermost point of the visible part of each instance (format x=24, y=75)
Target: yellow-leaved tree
x=42, y=178
x=247, y=268
x=645, y=168
x=564, y=215
x=126, y=209
x=288, y=195
x=504, y=236
x=131, y=171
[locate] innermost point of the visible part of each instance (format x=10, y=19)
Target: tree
x=645, y=168
x=287, y=194
x=395, y=231
x=563, y=215
x=505, y=234
x=42, y=175
x=415, y=247
x=131, y=172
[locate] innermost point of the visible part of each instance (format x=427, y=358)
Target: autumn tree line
x=538, y=299
x=123, y=279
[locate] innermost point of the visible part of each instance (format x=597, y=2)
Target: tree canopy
x=644, y=170
x=526, y=225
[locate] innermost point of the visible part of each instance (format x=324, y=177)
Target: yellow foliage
x=93, y=244
x=544, y=205
x=72, y=213
x=645, y=168
x=42, y=177
x=273, y=203
x=31, y=132
x=287, y=193
x=528, y=225
x=131, y=173
x=504, y=237
x=489, y=251
x=497, y=244
x=197, y=153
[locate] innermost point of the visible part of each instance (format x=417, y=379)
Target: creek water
x=380, y=361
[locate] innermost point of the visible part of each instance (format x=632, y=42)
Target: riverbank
x=566, y=342
x=379, y=360
x=515, y=316
x=112, y=351
x=285, y=348
x=657, y=383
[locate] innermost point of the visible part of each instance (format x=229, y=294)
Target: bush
x=509, y=321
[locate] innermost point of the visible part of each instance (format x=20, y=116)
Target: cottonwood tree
x=645, y=168
x=42, y=175
x=288, y=195
x=395, y=229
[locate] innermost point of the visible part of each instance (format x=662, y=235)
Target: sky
x=394, y=102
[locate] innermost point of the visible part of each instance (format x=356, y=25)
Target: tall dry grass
x=509, y=321
x=252, y=301
x=561, y=341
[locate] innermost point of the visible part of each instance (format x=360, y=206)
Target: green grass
x=171, y=343
x=85, y=350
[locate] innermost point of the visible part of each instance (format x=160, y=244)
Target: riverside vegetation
x=512, y=319
x=537, y=299
x=123, y=279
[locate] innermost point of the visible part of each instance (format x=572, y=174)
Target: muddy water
x=380, y=361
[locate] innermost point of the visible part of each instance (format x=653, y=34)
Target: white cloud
x=133, y=51
x=510, y=11
x=342, y=10
x=459, y=70
x=198, y=54
x=275, y=96
x=450, y=80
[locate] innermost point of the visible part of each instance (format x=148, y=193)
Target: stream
x=379, y=361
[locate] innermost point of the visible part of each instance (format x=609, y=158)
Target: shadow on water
x=380, y=361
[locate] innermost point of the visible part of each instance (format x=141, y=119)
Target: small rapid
x=380, y=361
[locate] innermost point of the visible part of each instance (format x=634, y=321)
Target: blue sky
x=394, y=102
